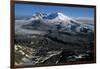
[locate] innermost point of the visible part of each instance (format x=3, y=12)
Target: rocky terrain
x=52, y=39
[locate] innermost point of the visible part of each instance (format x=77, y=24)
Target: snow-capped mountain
x=53, y=18
x=59, y=21
x=56, y=18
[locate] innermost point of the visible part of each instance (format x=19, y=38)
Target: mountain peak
x=53, y=18
x=56, y=17
x=56, y=14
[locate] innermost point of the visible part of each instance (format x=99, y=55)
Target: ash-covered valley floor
x=53, y=39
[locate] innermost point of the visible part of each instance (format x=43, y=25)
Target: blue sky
x=27, y=9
